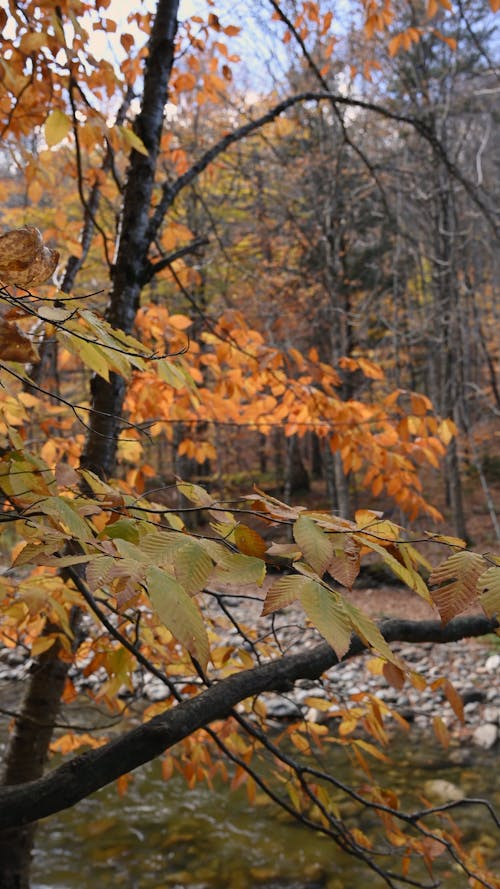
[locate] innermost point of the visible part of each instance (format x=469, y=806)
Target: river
x=160, y=834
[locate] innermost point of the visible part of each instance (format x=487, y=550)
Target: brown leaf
x=24, y=260
x=19, y=246
x=14, y=345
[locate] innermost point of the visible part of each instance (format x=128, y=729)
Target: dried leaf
x=15, y=345
x=456, y=582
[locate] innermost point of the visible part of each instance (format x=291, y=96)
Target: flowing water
x=160, y=834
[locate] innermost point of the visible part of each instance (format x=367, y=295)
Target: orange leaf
x=249, y=541
x=441, y=731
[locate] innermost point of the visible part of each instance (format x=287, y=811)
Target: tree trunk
x=29, y=744
x=26, y=758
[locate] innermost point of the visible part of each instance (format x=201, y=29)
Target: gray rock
x=282, y=708
x=485, y=735
x=492, y=714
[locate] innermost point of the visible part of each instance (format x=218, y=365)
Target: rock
x=440, y=791
x=485, y=735
x=282, y=708
x=155, y=690
x=492, y=664
x=492, y=714
x=471, y=695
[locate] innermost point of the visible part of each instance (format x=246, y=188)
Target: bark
x=65, y=786
x=26, y=758
x=131, y=268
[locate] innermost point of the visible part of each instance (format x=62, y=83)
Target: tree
x=95, y=545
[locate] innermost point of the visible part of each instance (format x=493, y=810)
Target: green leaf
x=161, y=545
x=316, y=546
x=92, y=356
x=179, y=613
x=325, y=609
x=173, y=375
x=193, y=566
x=123, y=528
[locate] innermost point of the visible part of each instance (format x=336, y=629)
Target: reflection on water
x=162, y=835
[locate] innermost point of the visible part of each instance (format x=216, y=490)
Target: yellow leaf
x=316, y=546
x=43, y=643
x=132, y=140
x=57, y=127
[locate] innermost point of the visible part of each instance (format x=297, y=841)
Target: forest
x=250, y=420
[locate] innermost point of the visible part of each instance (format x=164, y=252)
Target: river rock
x=440, y=791
x=492, y=664
x=486, y=735
x=492, y=714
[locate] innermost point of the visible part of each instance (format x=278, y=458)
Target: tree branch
x=65, y=786
x=170, y=190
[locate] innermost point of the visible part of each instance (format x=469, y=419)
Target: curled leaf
x=24, y=260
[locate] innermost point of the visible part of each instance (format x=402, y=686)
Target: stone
x=492, y=714
x=440, y=791
x=492, y=664
x=471, y=695
x=486, y=735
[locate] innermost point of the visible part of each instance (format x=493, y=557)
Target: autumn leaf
x=455, y=582
x=489, y=588
x=325, y=609
x=283, y=592
x=15, y=345
x=24, y=260
x=132, y=140
x=249, y=541
x=316, y=546
x=179, y=613
x=57, y=126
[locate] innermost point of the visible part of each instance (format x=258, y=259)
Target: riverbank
x=471, y=666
